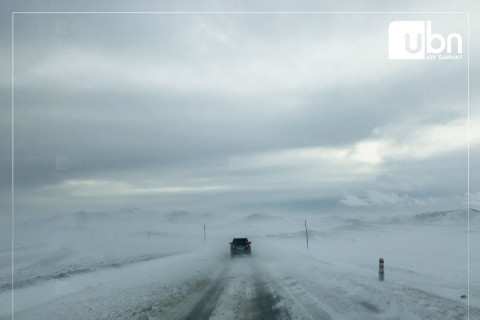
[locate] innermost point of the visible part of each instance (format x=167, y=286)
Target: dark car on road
x=240, y=246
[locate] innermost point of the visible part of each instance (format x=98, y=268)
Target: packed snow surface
x=134, y=264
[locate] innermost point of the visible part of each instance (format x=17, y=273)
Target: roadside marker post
x=306, y=232
x=381, y=270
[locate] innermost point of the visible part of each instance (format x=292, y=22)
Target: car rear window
x=240, y=242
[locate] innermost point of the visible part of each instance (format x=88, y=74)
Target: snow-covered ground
x=134, y=264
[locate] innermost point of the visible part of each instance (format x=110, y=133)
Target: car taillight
x=248, y=245
x=233, y=246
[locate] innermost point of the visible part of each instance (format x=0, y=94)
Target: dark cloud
x=268, y=111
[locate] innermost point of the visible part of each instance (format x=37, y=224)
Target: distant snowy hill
x=258, y=217
x=447, y=216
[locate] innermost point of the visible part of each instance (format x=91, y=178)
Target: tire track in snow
x=204, y=308
x=302, y=303
x=247, y=295
x=240, y=292
x=268, y=306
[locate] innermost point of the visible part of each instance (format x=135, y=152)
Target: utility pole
x=204, y=233
x=306, y=232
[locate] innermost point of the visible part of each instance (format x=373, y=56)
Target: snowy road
x=271, y=286
x=239, y=292
x=335, y=279
x=201, y=286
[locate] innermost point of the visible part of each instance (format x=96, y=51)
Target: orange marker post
x=381, y=270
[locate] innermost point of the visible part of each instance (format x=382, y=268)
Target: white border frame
x=244, y=12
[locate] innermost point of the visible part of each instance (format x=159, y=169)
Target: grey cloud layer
x=246, y=109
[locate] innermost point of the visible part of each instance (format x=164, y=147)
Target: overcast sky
x=235, y=113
